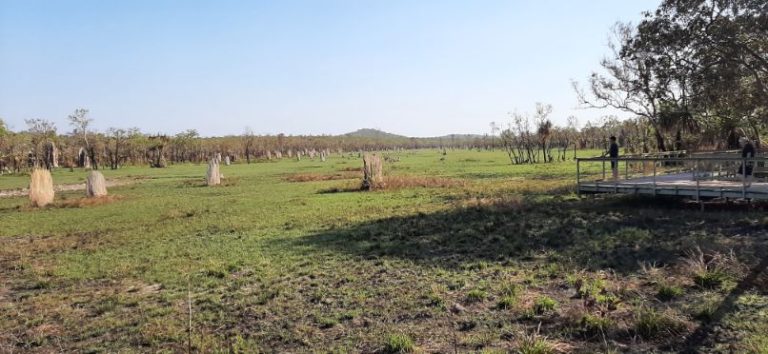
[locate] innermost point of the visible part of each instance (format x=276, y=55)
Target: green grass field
x=467, y=254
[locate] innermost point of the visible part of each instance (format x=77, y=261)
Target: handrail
x=661, y=153
x=672, y=159
x=651, y=154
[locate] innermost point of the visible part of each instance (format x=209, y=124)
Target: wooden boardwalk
x=698, y=183
x=681, y=184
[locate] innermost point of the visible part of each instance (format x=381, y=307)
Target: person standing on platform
x=613, y=153
x=747, y=152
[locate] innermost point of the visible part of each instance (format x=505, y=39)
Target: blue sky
x=418, y=68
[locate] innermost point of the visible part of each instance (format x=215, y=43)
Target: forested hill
x=379, y=134
x=374, y=134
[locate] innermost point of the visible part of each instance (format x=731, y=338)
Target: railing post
x=744, y=178
x=615, y=180
x=626, y=169
x=603, y=170
x=696, y=178
x=578, y=178
x=654, y=176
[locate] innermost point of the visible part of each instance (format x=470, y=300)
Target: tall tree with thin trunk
x=249, y=140
x=79, y=120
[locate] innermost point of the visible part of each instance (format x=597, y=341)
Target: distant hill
x=375, y=134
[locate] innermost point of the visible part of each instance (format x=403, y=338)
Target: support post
x=654, y=177
x=578, y=178
x=744, y=178
x=696, y=178
x=626, y=169
x=603, y=170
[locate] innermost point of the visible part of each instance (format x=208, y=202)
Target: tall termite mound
x=95, y=185
x=372, y=172
x=213, y=176
x=41, y=188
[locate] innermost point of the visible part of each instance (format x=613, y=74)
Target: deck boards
x=680, y=184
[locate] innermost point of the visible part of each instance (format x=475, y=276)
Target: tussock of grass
x=535, y=343
x=399, y=343
x=544, y=304
x=593, y=325
x=476, y=295
x=710, y=270
x=668, y=291
x=506, y=302
x=651, y=323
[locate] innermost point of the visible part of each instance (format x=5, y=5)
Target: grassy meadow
x=460, y=253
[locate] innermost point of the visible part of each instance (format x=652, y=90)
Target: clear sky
x=412, y=67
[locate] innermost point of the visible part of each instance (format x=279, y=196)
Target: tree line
x=43, y=145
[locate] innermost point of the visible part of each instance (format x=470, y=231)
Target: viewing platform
x=699, y=176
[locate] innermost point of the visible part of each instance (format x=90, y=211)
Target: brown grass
x=399, y=182
x=87, y=202
x=313, y=177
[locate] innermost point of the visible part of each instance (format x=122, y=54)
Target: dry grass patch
x=313, y=177
x=87, y=202
x=399, y=182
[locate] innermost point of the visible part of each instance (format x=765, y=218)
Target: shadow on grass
x=698, y=338
x=595, y=234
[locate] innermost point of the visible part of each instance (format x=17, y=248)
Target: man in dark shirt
x=747, y=151
x=613, y=153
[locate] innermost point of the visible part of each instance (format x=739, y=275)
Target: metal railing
x=646, y=173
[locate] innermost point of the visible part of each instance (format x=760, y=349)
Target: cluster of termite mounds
x=42, y=193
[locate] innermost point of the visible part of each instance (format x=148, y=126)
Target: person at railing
x=747, y=151
x=613, y=153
